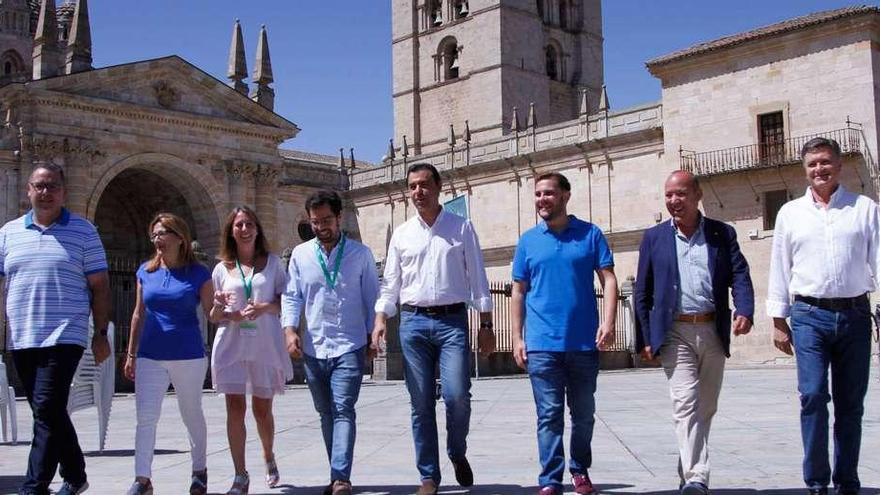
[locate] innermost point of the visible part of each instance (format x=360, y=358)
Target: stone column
x=13, y=191
x=237, y=174
x=266, y=186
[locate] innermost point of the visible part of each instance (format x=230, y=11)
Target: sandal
x=199, y=485
x=272, y=476
x=240, y=484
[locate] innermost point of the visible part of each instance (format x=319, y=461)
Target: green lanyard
x=331, y=279
x=248, y=284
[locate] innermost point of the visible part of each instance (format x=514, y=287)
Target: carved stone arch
x=204, y=196
x=11, y=63
x=448, y=58
x=553, y=60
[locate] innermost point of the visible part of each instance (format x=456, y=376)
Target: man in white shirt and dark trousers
x=434, y=267
x=825, y=250
x=334, y=279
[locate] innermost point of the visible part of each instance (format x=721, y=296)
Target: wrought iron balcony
x=762, y=156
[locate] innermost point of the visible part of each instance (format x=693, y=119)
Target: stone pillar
x=13, y=192
x=237, y=174
x=266, y=186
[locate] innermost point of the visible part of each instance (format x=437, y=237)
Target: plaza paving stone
x=755, y=442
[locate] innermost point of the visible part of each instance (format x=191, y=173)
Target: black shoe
x=694, y=488
x=819, y=490
x=846, y=491
x=463, y=473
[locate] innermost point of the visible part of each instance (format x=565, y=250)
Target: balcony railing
x=761, y=156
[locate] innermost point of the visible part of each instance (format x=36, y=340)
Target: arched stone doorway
x=124, y=201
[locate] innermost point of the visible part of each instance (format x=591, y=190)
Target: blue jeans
x=841, y=340
x=425, y=341
x=335, y=384
x=557, y=377
x=46, y=374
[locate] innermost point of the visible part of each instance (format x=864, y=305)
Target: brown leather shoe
x=341, y=487
x=429, y=487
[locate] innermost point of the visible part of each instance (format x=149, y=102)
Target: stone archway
x=124, y=201
x=144, y=184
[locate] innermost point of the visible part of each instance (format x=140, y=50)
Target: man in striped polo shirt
x=55, y=272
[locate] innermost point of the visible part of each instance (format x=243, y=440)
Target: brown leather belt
x=696, y=318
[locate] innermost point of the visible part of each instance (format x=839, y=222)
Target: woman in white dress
x=249, y=355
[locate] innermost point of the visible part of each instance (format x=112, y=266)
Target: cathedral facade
x=522, y=94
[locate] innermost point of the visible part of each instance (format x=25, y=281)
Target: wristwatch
x=487, y=325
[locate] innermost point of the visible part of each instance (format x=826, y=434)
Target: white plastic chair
x=7, y=403
x=93, y=385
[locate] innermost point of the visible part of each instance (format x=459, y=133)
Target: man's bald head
x=683, y=178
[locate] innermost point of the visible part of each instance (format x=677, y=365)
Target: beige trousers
x=693, y=359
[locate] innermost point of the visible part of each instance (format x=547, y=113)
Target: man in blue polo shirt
x=55, y=272
x=553, y=288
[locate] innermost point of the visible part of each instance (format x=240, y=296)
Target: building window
x=436, y=12
x=563, y=14
x=771, y=138
x=773, y=201
x=461, y=9
x=540, y=5
x=12, y=63
x=448, y=59
x=551, y=62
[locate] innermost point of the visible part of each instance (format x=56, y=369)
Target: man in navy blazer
x=687, y=269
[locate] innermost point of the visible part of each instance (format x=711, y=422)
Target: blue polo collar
x=572, y=221
x=63, y=219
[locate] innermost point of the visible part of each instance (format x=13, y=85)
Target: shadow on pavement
x=129, y=452
x=735, y=491
x=10, y=483
x=406, y=490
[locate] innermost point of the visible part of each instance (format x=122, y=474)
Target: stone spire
x=604, y=106
x=585, y=109
x=47, y=53
x=451, y=139
x=466, y=137
x=263, y=94
x=514, y=121
x=531, y=121
x=79, y=44
x=237, y=70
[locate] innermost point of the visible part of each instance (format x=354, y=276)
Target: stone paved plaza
x=755, y=440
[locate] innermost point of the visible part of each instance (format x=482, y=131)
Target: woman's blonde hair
x=178, y=227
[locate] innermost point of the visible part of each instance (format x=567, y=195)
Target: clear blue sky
x=332, y=58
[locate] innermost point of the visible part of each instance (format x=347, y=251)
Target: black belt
x=434, y=310
x=834, y=303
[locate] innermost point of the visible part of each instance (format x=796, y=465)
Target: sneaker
x=695, y=488
x=817, y=490
x=138, y=488
x=582, y=483
x=549, y=490
x=68, y=488
x=199, y=484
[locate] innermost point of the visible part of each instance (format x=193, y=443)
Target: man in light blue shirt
x=55, y=274
x=334, y=279
x=695, y=289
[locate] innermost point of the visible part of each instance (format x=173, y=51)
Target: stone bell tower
x=475, y=60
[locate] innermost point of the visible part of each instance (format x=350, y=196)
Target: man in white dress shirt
x=825, y=258
x=434, y=267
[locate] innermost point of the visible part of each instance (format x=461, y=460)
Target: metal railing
x=765, y=155
x=624, y=330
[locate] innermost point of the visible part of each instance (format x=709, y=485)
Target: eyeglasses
x=50, y=187
x=161, y=233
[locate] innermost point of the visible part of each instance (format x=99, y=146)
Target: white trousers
x=693, y=359
x=151, y=383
